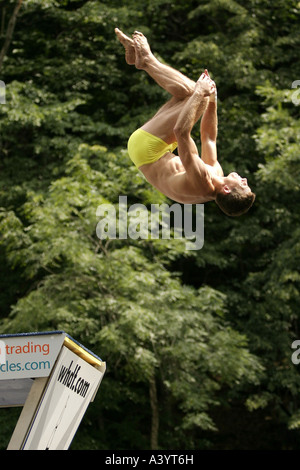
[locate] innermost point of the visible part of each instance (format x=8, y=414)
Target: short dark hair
x=236, y=202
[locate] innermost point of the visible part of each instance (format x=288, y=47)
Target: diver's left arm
x=209, y=133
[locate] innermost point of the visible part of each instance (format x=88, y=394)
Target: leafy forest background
x=198, y=344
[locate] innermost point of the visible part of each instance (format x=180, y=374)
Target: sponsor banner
x=2, y=352
x=71, y=387
x=29, y=355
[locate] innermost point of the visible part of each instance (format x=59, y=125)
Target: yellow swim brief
x=144, y=147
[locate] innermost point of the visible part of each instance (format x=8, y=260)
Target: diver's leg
x=163, y=122
x=168, y=78
x=171, y=80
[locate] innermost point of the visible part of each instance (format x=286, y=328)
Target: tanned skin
x=186, y=178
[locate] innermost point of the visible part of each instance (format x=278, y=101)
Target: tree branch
x=9, y=31
x=155, y=413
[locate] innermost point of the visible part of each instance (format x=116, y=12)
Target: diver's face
x=233, y=180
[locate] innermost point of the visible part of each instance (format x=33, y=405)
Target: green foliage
x=212, y=330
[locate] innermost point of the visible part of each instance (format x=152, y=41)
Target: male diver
x=185, y=178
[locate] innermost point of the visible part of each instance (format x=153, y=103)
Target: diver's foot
x=142, y=50
x=128, y=45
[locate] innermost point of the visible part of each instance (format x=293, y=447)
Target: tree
x=121, y=301
x=9, y=31
x=190, y=338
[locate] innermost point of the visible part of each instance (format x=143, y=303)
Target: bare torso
x=169, y=176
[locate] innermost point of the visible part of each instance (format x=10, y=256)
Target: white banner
x=71, y=387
